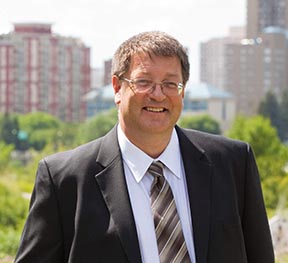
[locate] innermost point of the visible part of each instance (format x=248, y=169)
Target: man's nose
x=157, y=90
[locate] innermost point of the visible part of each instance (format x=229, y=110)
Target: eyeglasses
x=169, y=88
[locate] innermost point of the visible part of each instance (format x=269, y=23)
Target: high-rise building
x=42, y=71
x=213, y=57
x=107, y=72
x=250, y=67
x=266, y=13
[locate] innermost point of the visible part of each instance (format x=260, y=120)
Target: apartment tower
x=42, y=71
x=266, y=13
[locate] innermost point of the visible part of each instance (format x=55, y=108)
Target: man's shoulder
x=216, y=148
x=83, y=150
x=85, y=155
x=211, y=141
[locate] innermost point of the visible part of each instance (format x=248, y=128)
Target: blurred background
x=55, y=90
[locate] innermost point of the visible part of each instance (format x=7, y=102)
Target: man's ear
x=117, y=89
x=183, y=92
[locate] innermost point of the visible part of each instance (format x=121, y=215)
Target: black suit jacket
x=80, y=209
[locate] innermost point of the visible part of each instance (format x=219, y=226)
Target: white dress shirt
x=136, y=163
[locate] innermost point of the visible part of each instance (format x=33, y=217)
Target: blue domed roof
x=205, y=91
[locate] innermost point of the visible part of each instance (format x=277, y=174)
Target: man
x=103, y=201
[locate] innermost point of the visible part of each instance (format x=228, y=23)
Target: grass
x=282, y=258
x=6, y=259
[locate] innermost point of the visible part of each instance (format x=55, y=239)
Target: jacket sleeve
x=41, y=240
x=255, y=225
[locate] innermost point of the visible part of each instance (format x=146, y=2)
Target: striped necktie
x=170, y=239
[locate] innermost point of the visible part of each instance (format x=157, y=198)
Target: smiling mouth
x=155, y=109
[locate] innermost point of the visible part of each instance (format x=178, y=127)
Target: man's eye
x=143, y=82
x=169, y=84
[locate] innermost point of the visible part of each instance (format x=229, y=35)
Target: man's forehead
x=145, y=63
x=142, y=58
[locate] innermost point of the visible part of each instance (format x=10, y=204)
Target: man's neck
x=152, y=144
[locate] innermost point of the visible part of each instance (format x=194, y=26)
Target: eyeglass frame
x=180, y=86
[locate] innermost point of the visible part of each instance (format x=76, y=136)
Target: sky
x=104, y=24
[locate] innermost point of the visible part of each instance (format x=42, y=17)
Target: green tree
x=68, y=134
x=13, y=207
x=1, y=125
x=97, y=126
x=5, y=153
x=13, y=211
x=41, y=128
x=38, y=121
x=258, y=132
x=271, y=155
x=269, y=108
x=284, y=116
x=10, y=129
x=203, y=123
x=276, y=111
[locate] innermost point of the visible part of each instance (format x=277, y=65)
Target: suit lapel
x=113, y=186
x=198, y=172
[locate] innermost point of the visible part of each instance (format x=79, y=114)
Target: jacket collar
x=111, y=181
x=198, y=171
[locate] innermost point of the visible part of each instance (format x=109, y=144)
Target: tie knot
x=156, y=169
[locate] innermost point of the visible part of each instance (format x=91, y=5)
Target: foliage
x=284, y=115
x=282, y=258
x=10, y=130
x=12, y=205
x=203, y=123
x=37, y=130
x=258, y=132
x=5, y=153
x=276, y=111
x=38, y=121
x=13, y=211
x=34, y=130
x=271, y=155
x=66, y=136
x=9, y=239
x=97, y=126
x=41, y=128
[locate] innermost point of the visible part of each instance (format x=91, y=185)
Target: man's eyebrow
x=166, y=74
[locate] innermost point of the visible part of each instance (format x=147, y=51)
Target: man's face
x=151, y=113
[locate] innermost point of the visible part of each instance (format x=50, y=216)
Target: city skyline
x=103, y=26
x=250, y=69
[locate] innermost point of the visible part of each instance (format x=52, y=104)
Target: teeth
x=155, y=109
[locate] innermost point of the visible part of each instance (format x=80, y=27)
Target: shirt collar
x=171, y=156
x=138, y=161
